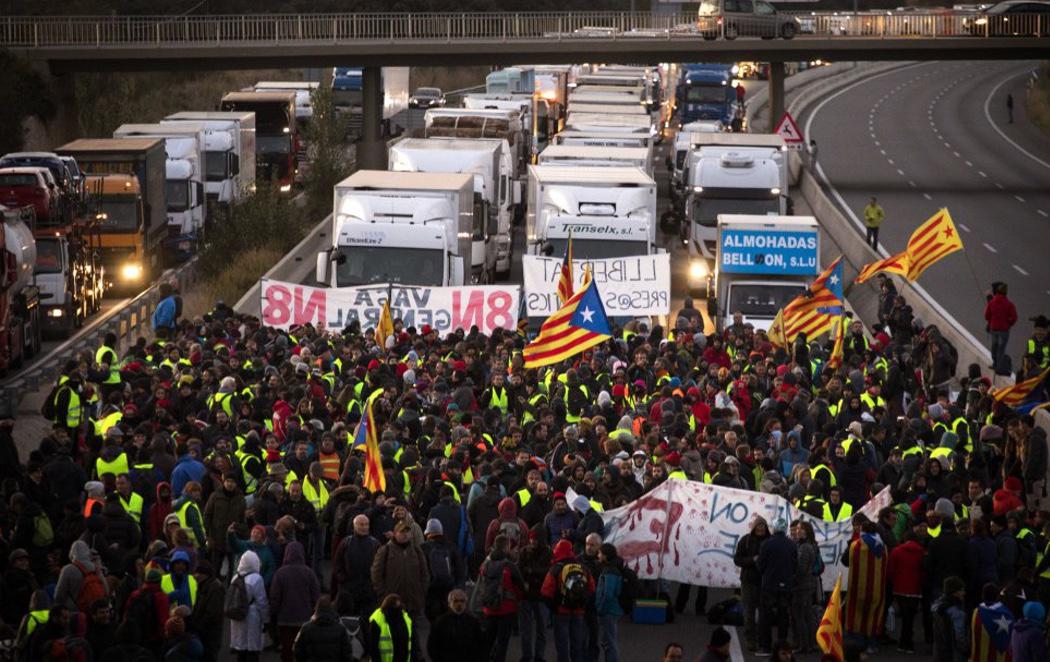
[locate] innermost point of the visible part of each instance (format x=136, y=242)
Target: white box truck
x=184, y=181
x=763, y=262
x=229, y=152
x=682, y=141
x=603, y=157
x=611, y=212
x=492, y=195
x=407, y=228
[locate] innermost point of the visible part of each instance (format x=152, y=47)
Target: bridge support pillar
x=776, y=93
x=371, y=152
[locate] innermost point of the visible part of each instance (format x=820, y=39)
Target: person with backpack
x=806, y=587
x=507, y=524
x=247, y=609
x=324, y=638
x=447, y=570
x=502, y=587
x=951, y=640
x=206, y=619
x=80, y=582
x=608, y=600
x=567, y=588
x=293, y=596
x=401, y=567
x=147, y=611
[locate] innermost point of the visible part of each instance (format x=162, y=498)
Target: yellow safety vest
x=845, y=513
x=934, y=531
x=677, y=474
x=38, y=617
x=914, y=450
x=940, y=452
x=569, y=416
x=1044, y=360
x=184, y=521
x=167, y=584
x=103, y=426
x=251, y=483
x=221, y=400
x=831, y=474
x=872, y=401
x=73, y=410
x=114, y=364
x=1045, y=574
x=386, y=642
x=524, y=496
x=455, y=492
x=499, y=400
x=133, y=506
x=961, y=421
x=318, y=497
x=833, y=409
x=598, y=507
x=115, y=467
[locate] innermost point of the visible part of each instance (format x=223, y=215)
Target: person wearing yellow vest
x=111, y=419
x=314, y=489
x=390, y=633
x=496, y=395
x=1039, y=344
x=837, y=510
x=190, y=517
x=39, y=612
x=575, y=398
x=130, y=500
x=66, y=402
x=107, y=360
x=223, y=398
x=180, y=584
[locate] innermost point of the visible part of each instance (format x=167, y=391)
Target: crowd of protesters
x=203, y=491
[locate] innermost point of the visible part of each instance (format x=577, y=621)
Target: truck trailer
x=229, y=152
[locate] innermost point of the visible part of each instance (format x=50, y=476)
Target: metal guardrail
x=291, y=29
x=128, y=322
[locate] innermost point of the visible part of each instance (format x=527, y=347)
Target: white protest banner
x=629, y=286
x=446, y=309
x=687, y=531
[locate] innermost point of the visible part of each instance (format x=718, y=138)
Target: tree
x=24, y=94
x=326, y=144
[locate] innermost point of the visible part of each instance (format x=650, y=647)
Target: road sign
x=787, y=128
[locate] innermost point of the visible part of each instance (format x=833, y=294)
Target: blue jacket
x=607, y=595
x=164, y=315
x=1027, y=643
x=186, y=469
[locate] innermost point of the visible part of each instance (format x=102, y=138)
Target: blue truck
x=706, y=92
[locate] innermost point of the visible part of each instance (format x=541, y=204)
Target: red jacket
x=1000, y=313
x=905, y=569
x=551, y=588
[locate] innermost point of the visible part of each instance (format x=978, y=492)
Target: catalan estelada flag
x=1018, y=394
x=894, y=264
x=933, y=240
x=814, y=312
x=565, y=275
x=837, y=349
x=385, y=325
x=365, y=435
x=866, y=598
x=575, y=327
x=990, y=629
x=829, y=633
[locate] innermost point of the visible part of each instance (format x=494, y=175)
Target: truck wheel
x=788, y=31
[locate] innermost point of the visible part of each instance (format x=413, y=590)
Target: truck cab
x=117, y=205
x=763, y=262
x=229, y=152
x=706, y=92
x=574, y=156
x=682, y=142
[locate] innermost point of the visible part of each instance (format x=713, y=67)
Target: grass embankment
x=1037, y=101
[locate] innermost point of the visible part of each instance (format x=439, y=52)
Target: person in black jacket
x=351, y=571
x=455, y=635
x=323, y=638
x=207, y=618
x=746, y=558
x=777, y=561
x=947, y=555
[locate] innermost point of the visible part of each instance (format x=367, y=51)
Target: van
x=744, y=18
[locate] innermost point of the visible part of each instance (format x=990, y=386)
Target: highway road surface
x=937, y=135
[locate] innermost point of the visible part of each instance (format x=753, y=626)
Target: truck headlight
x=131, y=271
x=54, y=312
x=981, y=21
x=286, y=188
x=774, y=191
x=697, y=270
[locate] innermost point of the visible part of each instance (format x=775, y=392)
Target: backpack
x=235, y=604
x=439, y=560
x=630, y=590
x=43, y=534
x=572, y=586
x=726, y=612
x=512, y=530
x=91, y=589
x=493, y=591
x=47, y=410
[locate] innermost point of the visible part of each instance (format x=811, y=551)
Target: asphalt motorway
x=937, y=135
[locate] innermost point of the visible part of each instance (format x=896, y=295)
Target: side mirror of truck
x=324, y=258
x=198, y=192
x=235, y=165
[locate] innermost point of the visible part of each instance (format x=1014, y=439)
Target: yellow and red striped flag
x=366, y=435
x=931, y=241
x=835, y=360
x=1014, y=396
x=829, y=633
x=814, y=312
x=575, y=327
x=565, y=277
x=894, y=264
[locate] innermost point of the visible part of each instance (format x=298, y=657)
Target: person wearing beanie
x=718, y=646
x=446, y=566
x=256, y=543
x=567, y=577
x=1028, y=639
x=561, y=522
x=950, y=637
x=293, y=594
x=777, y=560
x=149, y=607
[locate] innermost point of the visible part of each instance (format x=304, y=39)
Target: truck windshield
x=706, y=210
x=365, y=265
x=709, y=7
x=597, y=249
x=705, y=94
x=120, y=214
x=216, y=166
x=279, y=144
x=48, y=257
x=178, y=193
x=761, y=299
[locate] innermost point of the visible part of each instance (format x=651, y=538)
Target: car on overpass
x=744, y=18
x=1012, y=18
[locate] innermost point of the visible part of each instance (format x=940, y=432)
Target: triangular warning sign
x=787, y=128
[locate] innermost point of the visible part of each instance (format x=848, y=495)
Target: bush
x=1037, y=101
x=231, y=282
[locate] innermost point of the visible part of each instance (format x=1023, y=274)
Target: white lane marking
x=1041, y=213
x=883, y=152
x=957, y=155
x=999, y=186
x=1020, y=270
x=1018, y=198
x=991, y=248
x=965, y=228
x=890, y=161
x=912, y=184
x=981, y=173
x=900, y=172
x=872, y=134
x=947, y=144
x=927, y=196
x=988, y=116
x=859, y=225
x=877, y=143
x=969, y=164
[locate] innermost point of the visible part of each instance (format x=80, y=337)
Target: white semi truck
x=763, y=262
x=609, y=211
x=184, y=181
x=587, y=155
x=406, y=228
x=729, y=173
x=229, y=152
x=492, y=194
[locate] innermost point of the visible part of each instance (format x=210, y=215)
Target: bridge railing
x=287, y=29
